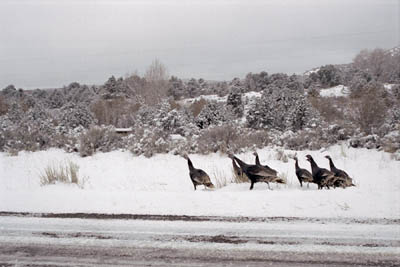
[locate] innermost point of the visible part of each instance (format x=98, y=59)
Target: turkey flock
x=256, y=173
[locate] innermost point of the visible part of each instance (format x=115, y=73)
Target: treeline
x=288, y=113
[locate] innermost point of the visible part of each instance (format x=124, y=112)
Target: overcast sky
x=53, y=43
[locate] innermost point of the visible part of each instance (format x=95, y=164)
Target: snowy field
x=118, y=182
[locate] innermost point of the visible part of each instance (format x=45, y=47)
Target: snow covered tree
x=294, y=83
x=329, y=76
x=176, y=88
x=15, y=113
x=211, y=114
x=256, y=82
x=9, y=91
x=75, y=115
x=77, y=93
x=173, y=121
x=193, y=88
x=115, y=88
x=234, y=101
x=278, y=80
x=56, y=99
x=281, y=109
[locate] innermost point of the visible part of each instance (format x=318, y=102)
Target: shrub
x=173, y=104
x=218, y=138
x=96, y=138
x=370, y=111
x=149, y=141
x=118, y=112
x=197, y=106
x=249, y=138
x=331, y=109
x=313, y=92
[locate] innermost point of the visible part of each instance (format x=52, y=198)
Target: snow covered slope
x=118, y=182
x=249, y=96
x=335, y=91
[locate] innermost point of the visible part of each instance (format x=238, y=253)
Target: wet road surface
x=162, y=240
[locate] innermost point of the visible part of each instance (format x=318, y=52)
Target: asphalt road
x=140, y=240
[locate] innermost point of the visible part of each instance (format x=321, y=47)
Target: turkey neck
x=257, y=160
x=314, y=166
x=241, y=163
x=190, y=164
x=297, y=164
x=234, y=164
x=331, y=165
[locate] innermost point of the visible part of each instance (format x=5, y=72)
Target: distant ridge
x=392, y=51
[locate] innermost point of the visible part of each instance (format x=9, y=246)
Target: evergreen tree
x=211, y=114
x=234, y=101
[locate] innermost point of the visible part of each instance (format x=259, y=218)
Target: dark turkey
x=257, y=173
x=302, y=174
x=322, y=177
x=198, y=176
x=344, y=179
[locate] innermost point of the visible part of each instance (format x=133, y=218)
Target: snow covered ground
x=118, y=182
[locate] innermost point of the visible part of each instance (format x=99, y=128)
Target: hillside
x=358, y=103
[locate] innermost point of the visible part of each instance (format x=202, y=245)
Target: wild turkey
x=256, y=173
x=302, y=174
x=274, y=173
x=344, y=180
x=265, y=166
x=198, y=176
x=322, y=177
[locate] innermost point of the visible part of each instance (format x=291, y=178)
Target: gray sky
x=52, y=43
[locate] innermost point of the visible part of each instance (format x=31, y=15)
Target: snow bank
x=118, y=182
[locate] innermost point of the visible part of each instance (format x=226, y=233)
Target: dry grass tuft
x=221, y=180
x=63, y=172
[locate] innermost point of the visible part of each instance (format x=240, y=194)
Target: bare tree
x=156, y=71
x=153, y=86
x=382, y=65
x=157, y=83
